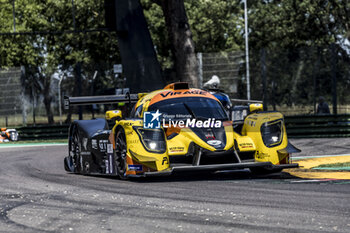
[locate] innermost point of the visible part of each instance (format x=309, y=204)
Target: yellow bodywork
x=249, y=140
x=136, y=152
x=113, y=114
x=252, y=129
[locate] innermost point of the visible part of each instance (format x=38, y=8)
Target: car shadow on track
x=232, y=175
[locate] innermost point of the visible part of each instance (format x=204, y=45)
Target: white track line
x=38, y=145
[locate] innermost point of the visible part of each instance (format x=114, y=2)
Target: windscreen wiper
x=193, y=114
x=189, y=110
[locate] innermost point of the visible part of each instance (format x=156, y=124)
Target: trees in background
x=181, y=43
x=179, y=29
x=297, y=37
x=44, y=55
x=213, y=26
x=218, y=25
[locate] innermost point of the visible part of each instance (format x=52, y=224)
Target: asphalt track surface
x=37, y=195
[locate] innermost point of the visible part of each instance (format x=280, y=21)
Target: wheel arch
x=86, y=128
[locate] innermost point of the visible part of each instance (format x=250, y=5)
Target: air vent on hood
x=177, y=86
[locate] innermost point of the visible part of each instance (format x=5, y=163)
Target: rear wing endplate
x=104, y=99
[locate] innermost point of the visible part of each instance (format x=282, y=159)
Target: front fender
x=267, y=153
x=137, y=155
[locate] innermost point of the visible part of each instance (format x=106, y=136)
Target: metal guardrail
x=302, y=126
x=43, y=132
x=318, y=126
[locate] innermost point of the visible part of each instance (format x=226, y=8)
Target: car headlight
x=152, y=139
x=272, y=133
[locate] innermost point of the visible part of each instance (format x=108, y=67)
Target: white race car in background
x=7, y=135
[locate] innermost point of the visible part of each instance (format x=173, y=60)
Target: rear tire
x=120, y=153
x=76, y=151
x=66, y=163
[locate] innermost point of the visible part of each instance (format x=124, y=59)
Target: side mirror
x=113, y=114
x=255, y=107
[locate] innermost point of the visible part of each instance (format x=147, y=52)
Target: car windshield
x=193, y=107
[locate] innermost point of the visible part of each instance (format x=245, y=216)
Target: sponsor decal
x=110, y=158
x=261, y=155
x=137, y=168
x=133, y=141
x=107, y=166
x=214, y=142
x=109, y=148
x=94, y=144
x=251, y=123
x=165, y=160
x=85, y=153
x=130, y=133
x=151, y=120
x=190, y=92
x=177, y=149
x=246, y=145
x=103, y=145
x=209, y=135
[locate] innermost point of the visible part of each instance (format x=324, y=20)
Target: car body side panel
x=136, y=153
x=93, y=138
x=89, y=127
x=178, y=145
x=252, y=128
x=245, y=144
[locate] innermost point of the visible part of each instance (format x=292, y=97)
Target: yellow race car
x=176, y=129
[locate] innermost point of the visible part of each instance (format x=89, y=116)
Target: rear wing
x=104, y=99
x=246, y=101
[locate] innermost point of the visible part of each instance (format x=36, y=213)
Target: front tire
x=120, y=153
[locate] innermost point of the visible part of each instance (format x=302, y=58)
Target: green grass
x=334, y=165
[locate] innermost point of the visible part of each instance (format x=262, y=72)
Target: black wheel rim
x=120, y=149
